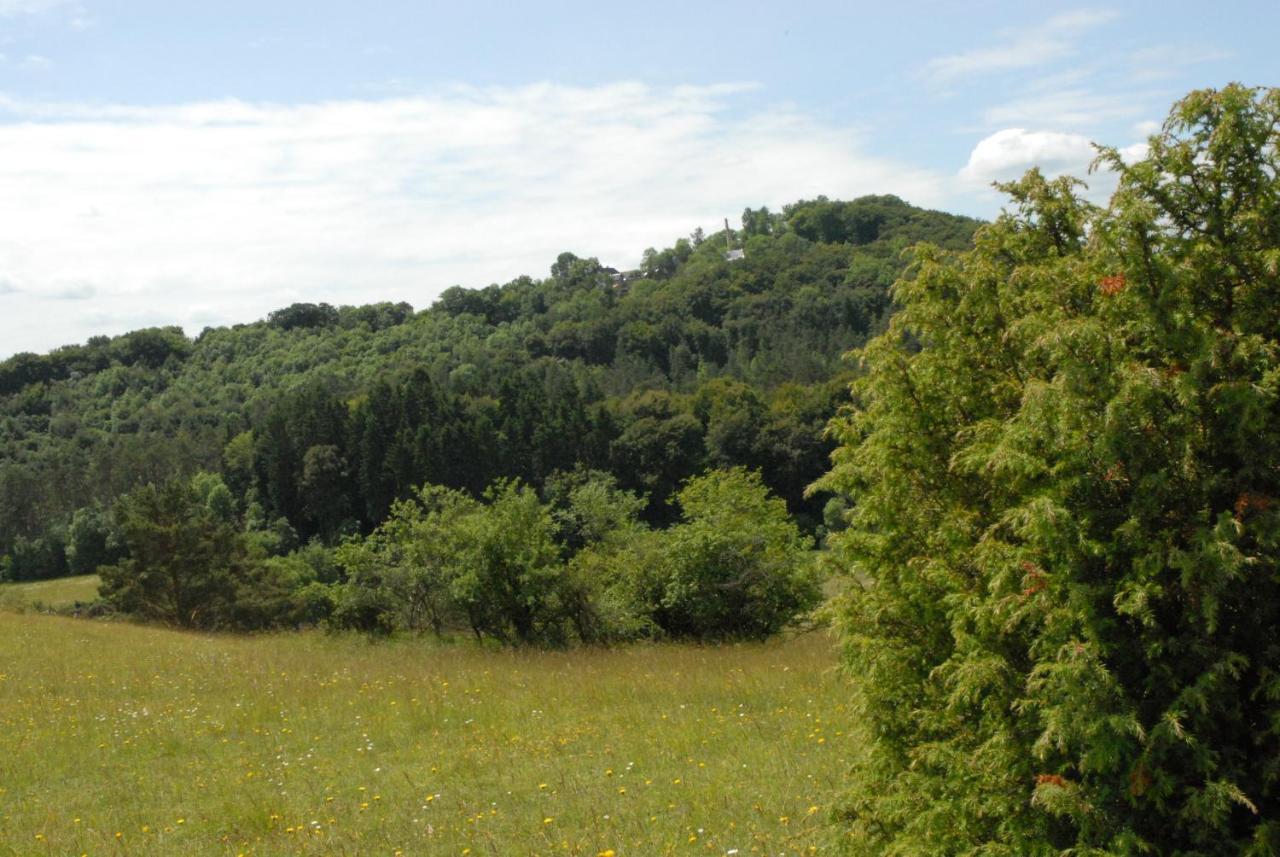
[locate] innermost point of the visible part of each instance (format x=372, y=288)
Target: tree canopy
x=320, y=418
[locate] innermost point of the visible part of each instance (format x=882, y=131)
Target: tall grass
x=119, y=739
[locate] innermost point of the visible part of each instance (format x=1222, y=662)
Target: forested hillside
x=311, y=423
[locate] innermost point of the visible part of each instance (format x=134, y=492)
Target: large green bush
x=444, y=558
x=400, y=576
x=735, y=566
x=1065, y=464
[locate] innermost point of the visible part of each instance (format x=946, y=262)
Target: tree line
x=280, y=445
x=318, y=419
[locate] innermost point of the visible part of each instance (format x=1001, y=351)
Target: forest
x=291, y=458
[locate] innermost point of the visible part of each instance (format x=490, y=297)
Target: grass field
x=61, y=592
x=120, y=739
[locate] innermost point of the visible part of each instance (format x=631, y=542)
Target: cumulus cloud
x=1020, y=49
x=1009, y=153
x=221, y=211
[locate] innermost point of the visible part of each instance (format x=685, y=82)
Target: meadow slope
x=120, y=739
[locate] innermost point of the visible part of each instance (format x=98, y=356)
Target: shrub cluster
x=581, y=566
x=576, y=564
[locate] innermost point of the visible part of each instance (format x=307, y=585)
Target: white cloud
x=222, y=211
x=1133, y=153
x=1025, y=48
x=1009, y=153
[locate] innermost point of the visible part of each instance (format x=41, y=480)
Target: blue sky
x=204, y=163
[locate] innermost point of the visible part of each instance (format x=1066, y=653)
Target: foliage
x=93, y=540
x=188, y=564
x=400, y=576
x=444, y=558
x=319, y=418
x=509, y=571
x=736, y=565
x=582, y=565
x=1063, y=470
x=35, y=559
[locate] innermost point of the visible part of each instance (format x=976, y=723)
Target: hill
x=317, y=418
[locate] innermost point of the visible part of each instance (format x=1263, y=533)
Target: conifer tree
x=1064, y=463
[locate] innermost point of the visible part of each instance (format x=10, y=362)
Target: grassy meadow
x=52, y=594
x=122, y=739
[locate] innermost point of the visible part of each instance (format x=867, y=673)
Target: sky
x=165, y=162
